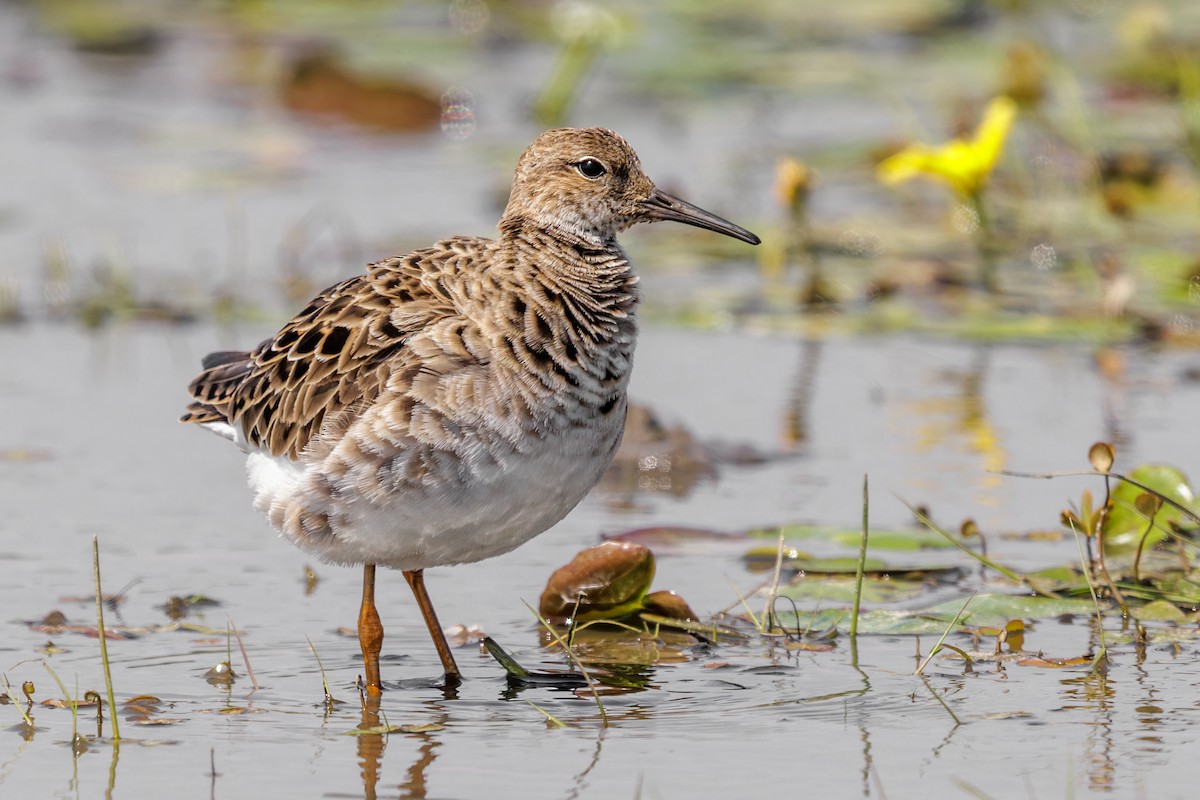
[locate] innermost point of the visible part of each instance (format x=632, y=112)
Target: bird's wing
x=331, y=361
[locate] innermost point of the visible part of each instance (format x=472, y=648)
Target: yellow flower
x=964, y=165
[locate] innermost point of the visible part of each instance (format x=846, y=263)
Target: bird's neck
x=592, y=281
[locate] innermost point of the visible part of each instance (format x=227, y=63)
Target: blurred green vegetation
x=1086, y=227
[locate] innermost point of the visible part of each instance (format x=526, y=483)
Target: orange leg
x=416, y=582
x=370, y=631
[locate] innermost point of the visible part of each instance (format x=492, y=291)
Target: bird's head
x=587, y=184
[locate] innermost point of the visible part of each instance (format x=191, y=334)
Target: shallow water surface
x=98, y=452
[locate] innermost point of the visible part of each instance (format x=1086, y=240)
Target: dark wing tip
x=221, y=357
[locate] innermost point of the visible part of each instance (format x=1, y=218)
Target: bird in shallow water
x=452, y=403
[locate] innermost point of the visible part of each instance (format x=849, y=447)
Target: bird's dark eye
x=590, y=168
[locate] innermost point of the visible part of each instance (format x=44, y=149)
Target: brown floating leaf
x=607, y=581
x=673, y=539
x=1147, y=503
x=817, y=647
x=55, y=619
x=1041, y=661
x=1101, y=456
x=319, y=83
x=139, y=719
x=55, y=702
x=668, y=604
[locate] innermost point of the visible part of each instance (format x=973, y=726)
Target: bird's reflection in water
x=373, y=739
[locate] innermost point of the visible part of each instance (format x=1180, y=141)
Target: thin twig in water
x=938, y=697
x=245, y=658
x=112, y=702
x=553, y=720
x=945, y=633
x=758, y=626
x=574, y=660
x=74, y=702
x=987, y=562
x=329, y=698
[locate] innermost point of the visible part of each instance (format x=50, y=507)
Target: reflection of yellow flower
x=964, y=165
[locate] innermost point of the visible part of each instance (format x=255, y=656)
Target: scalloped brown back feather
x=507, y=340
x=330, y=361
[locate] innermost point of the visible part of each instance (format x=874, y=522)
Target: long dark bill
x=660, y=205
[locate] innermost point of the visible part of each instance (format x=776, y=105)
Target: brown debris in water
x=319, y=83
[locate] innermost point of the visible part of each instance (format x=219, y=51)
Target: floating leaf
x=906, y=539
x=840, y=590
x=669, y=604
x=1125, y=525
x=986, y=609
x=676, y=540
x=1057, y=663
x=607, y=581
x=519, y=676
x=1159, y=611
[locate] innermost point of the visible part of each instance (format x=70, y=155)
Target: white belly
x=497, y=508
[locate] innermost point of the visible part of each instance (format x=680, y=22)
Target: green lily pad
x=984, y=609
x=840, y=590
x=1159, y=611
x=911, y=539
x=1125, y=524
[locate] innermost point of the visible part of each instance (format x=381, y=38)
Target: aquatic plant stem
x=983, y=244
x=13, y=698
x=1187, y=512
x=758, y=626
x=945, y=633
x=862, y=564
x=108, y=685
x=1103, y=654
x=938, y=697
x=1005, y=571
x=245, y=658
x=329, y=698
x=574, y=660
x=769, y=618
x=74, y=702
x=554, y=721
x=1137, y=558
